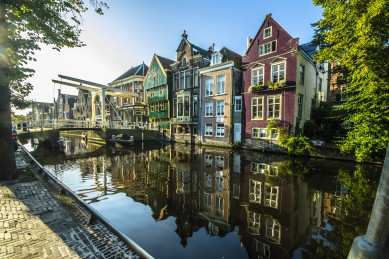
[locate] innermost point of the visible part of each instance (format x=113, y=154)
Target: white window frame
x=206, y=130
x=221, y=85
x=262, y=106
x=261, y=133
x=254, y=221
x=254, y=195
x=271, y=196
x=216, y=58
x=208, y=109
x=220, y=130
x=300, y=101
x=219, y=181
x=266, y=48
x=302, y=74
x=274, y=105
x=220, y=108
x=258, y=75
x=278, y=71
x=267, y=29
x=207, y=201
x=238, y=103
x=273, y=229
x=219, y=206
x=209, y=86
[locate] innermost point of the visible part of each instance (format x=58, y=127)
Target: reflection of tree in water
x=354, y=208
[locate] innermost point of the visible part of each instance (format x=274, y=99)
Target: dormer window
x=267, y=33
x=216, y=58
x=183, y=62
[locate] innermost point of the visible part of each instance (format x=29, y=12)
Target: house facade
x=131, y=109
x=63, y=106
x=82, y=109
x=158, y=88
x=185, y=113
x=41, y=111
x=279, y=83
x=220, y=99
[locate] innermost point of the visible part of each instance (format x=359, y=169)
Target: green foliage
x=19, y=118
x=24, y=25
x=326, y=123
x=356, y=34
x=296, y=144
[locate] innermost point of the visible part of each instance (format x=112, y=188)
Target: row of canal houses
x=219, y=97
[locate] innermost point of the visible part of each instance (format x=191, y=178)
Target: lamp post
x=375, y=244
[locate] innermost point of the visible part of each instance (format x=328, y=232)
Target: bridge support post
x=375, y=244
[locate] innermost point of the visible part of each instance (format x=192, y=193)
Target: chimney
x=249, y=40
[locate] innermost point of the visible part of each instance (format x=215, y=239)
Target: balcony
x=184, y=120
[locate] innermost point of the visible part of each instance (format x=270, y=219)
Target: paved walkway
x=36, y=222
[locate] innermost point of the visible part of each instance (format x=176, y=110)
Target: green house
x=158, y=87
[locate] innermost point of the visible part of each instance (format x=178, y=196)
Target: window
x=182, y=80
x=271, y=196
x=302, y=72
x=238, y=103
x=320, y=84
x=219, y=162
x=162, y=106
x=207, y=201
x=175, y=81
x=154, y=76
x=174, y=107
x=209, y=87
x=255, y=191
x=220, y=108
x=209, y=109
x=152, y=107
x=274, y=107
x=160, y=92
x=195, y=105
x=219, y=206
x=208, y=130
x=183, y=62
x=255, y=133
x=219, y=181
x=187, y=79
x=257, y=108
x=253, y=220
x=273, y=230
x=257, y=77
x=186, y=106
x=267, y=48
x=180, y=106
x=262, y=133
x=220, y=85
x=278, y=72
x=219, y=130
x=300, y=106
x=216, y=59
x=195, y=77
x=267, y=33
x=194, y=132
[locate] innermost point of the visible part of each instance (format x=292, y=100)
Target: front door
x=237, y=132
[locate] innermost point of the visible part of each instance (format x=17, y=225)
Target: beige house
x=221, y=102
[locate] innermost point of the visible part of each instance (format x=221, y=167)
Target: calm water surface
x=182, y=201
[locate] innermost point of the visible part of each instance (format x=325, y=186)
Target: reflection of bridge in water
x=49, y=131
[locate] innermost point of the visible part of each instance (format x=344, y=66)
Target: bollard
x=375, y=244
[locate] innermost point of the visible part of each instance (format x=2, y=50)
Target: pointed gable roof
x=194, y=48
x=139, y=70
x=165, y=62
x=267, y=19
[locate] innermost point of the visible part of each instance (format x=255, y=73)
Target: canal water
x=183, y=201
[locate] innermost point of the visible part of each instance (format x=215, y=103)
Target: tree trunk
x=7, y=153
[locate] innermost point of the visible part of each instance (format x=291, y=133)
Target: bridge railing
x=60, y=124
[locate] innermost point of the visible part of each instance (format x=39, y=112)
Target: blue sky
x=130, y=32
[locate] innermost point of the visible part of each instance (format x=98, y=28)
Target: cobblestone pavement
x=36, y=222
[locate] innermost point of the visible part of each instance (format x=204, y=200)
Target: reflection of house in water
x=219, y=195
x=274, y=218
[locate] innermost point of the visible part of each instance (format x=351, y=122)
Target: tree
x=24, y=25
x=355, y=33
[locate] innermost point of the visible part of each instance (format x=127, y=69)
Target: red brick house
x=279, y=82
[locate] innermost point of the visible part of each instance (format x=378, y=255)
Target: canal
x=182, y=201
